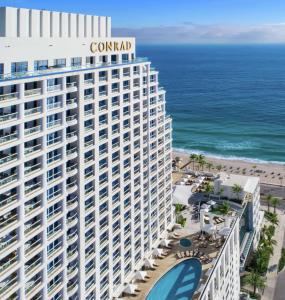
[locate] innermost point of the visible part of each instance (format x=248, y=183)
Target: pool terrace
x=211, y=248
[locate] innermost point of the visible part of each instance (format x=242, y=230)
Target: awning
x=181, y=194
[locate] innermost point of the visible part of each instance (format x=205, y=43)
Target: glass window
x=19, y=67
x=40, y=65
x=76, y=61
x=1, y=69
x=125, y=57
x=60, y=63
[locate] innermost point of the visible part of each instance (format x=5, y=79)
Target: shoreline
x=269, y=173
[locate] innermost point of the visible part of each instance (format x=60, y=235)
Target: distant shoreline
x=269, y=173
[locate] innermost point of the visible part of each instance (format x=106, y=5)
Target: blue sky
x=178, y=21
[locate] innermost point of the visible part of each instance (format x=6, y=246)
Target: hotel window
x=114, y=59
x=90, y=60
x=76, y=61
x=19, y=67
x=60, y=63
x=125, y=57
x=40, y=65
x=1, y=69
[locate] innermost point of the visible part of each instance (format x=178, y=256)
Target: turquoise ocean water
x=225, y=101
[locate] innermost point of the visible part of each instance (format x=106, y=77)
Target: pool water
x=179, y=283
x=185, y=242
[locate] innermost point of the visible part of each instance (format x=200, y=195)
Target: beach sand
x=269, y=173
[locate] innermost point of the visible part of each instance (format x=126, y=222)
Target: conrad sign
x=110, y=46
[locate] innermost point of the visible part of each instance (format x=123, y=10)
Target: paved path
x=274, y=260
x=280, y=285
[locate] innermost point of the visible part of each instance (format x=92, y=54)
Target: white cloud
x=215, y=33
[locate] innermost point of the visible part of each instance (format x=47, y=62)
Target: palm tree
x=273, y=219
x=193, y=158
x=208, y=189
x=178, y=209
x=275, y=201
x=255, y=280
x=200, y=159
x=224, y=208
x=237, y=189
x=209, y=166
x=177, y=161
x=268, y=199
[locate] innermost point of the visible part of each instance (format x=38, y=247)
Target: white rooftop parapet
x=31, y=23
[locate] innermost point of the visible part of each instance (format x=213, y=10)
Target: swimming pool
x=179, y=283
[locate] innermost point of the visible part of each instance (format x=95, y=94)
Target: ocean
x=225, y=100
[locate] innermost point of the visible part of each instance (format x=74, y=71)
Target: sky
x=181, y=21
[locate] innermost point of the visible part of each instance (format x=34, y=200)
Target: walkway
x=274, y=260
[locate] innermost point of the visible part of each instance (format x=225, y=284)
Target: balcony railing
x=8, y=158
x=8, y=242
x=32, y=187
x=8, y=138
x=54, y=88
x=33, y=92
x=89, y=81
x=33, y=130
x=11, y=96
x=11, y=178
x=8, y=117
x=53, y=123
x=8, y=284
x=32, y=149
x=32, y=111
x=71, y=101
x=8, y=263
x=88, y=97
x=32, y=168
x=32, y=226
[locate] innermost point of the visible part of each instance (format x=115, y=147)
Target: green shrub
x=282, y=260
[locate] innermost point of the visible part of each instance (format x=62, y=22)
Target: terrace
x=207, y=233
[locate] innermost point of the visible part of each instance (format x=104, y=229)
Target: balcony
x=7, y=179
x=8, y=262
x=33, y=149
x=8, y=117
x=88, y=112
x=52, y=233
x=31, y=206
x=72, y=203
x=70, y=85
x=71, y=119
x=33, y=111
x=33, y=92
x=8, y=284
x=8, y=157
x=33, y=130
x=32, y=226
x=89, y=158
x=53, y=123
x=88, y=143
x=54, y=105
x=89, y=81
x=89, y=97
x=54, y=286
x=8, y=137
x=34, y=265
x=72, y=151
x=32, y=168
x=54, y=158
x=54, y=88
x=32, y=188
x=10, y=96
x=32, y=285
x=71, y=102
x=31, y=246
x=7, y=241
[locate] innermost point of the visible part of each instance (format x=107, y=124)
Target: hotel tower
x=85, y=157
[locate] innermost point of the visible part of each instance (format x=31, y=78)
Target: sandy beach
x=268, y=173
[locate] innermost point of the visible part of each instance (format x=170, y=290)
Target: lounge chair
x=182, y=254
x=188, y=253
x=178, y=255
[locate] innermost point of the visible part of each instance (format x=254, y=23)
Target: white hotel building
x=85, y=157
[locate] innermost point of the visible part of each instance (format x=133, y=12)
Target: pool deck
x=166, y=263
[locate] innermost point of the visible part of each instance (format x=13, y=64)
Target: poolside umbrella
x=205, y=206
x=157, y=252
x=130, y=289
x=140, y=275
x=149, y=263
x=165, y=243
x=225, y=231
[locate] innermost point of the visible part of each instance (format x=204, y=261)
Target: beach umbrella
x=140, y=275
x=149, y=263
x=225, y=231
x=209, y=228
x=130, y=289
x=157, y=252
x=165, y=243
x=204, y=210
x=205, y=206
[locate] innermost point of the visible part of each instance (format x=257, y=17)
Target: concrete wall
x=25, y=23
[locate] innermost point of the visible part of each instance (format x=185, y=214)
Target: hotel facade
x=85, y=157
